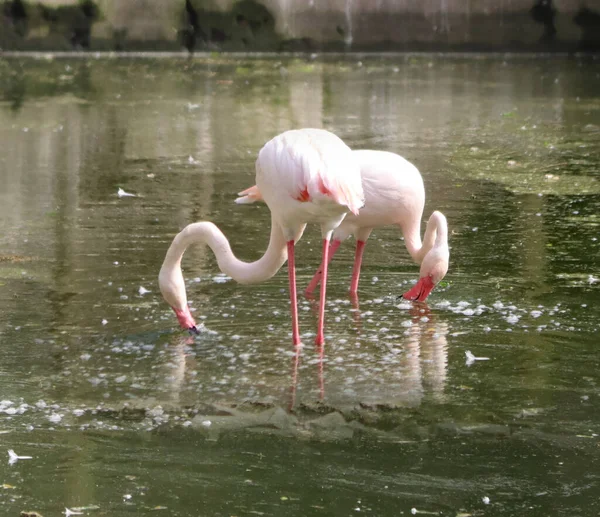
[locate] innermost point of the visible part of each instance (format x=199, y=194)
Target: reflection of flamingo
x=294, y=386
x=295, y=367
x=394, y=194
x=432, y=338
x=306, y=175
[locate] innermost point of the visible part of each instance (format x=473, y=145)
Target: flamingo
x=394, y=194
x=305, y=175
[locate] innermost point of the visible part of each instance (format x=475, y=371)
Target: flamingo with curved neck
x=394, y=195
x=305, y=175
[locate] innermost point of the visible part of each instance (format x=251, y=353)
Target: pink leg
x=317, y=278
x=325, y=262
x=293, y=297
x=360, y=248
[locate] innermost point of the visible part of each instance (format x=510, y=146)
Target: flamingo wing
x=320, y=169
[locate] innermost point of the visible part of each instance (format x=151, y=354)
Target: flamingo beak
x=420, y=291
x=186, y=320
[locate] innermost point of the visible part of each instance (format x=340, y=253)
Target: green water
x=126, y=415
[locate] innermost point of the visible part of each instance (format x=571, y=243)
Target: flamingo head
x=186, y=320
x=172, y=287
x=433, y=268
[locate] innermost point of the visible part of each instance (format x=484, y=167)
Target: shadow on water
x=122, y=413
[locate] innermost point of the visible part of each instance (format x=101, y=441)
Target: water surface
x=124, y=414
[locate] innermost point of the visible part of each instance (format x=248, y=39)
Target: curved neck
x=242, y=272
x=436, y=233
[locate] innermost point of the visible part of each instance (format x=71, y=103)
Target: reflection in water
x=430, y=333
x=294, y=386
x=414, y=366
x=180, y=363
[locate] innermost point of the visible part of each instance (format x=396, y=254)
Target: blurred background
x=307, y=25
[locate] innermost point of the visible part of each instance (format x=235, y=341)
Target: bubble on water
x=498, y=305
x=512, y=318
x=535, y=314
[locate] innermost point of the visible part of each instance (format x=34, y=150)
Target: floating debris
x=68, y=512
x=486, y=500
x=471, y=358
x=122, y=193
x=143, y=291
x=55, y=418
x=13, y=457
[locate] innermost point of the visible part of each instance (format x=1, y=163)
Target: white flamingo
x=394, y=195
x=305, y=175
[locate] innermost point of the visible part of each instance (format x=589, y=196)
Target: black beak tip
x=193, y=330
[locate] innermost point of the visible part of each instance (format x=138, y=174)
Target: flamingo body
x=394, y=195
x=321, y=185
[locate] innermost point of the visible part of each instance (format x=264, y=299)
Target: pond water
x=125, y=414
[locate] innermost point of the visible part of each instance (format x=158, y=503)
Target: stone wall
x=301, y=25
